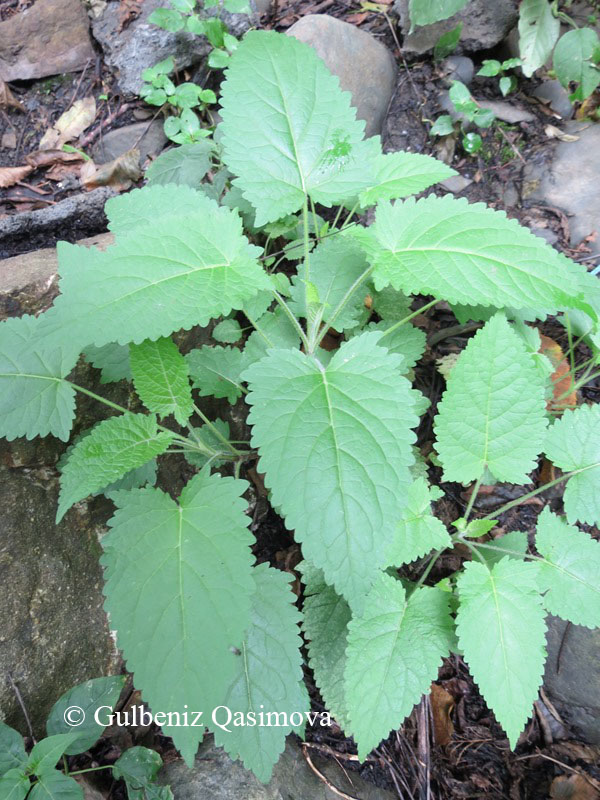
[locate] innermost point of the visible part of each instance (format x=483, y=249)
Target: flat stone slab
x=50, y=37
x=571, y=181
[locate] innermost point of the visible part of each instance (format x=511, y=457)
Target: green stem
x=337, y=217
x=311, y=323
x=259, y=331
x=117, y=407
x=473, y=497
x=534, y=492
x=65, y=764
x=396, y=325
x=350, y=215
x=571, y=349
x=288, y=312
x=216, y=431
x=90, y=769
x=314, y=216
x=428, y=568
x=318, y=337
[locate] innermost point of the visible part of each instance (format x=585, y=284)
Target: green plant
x=190, y=16
x=159, y=90
x=491, y=68
x=75, y=723
x=471, y=112
x=201, y=626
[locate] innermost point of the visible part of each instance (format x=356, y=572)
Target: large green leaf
x=326, y=618
x=86, y=698
x=35, y=400
x=426, y=12
x=395, y=649
x=268, y=678
x=45, y=753
x=178, y=588
x=174, y=273
x=295, y=133
x=144, y=207
x=110, y=450
x=335, y=444
x=215, y=371
x=468, y=254
x=14, y=785
x=161, y=378
x=493, y=413
x=538, y=31
x=418, y=531
x=402, y=174
x=12, y=749
x=185, y=165
x=572, y=61
x=573, y=443
x=53, y=785
x=334, y=266
x=502, y=633
x=569, y=575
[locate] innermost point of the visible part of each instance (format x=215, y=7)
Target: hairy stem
x=288, y=312
x=338, y=309
x=223, y=439
x=401, y=322
x=473, y=497
x=123, y=410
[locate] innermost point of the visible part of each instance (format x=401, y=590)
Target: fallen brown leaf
x=562, y=396
x=7, y=98
x=552, y=132
x=573, y=787
x=357, y=19
x=11, y=175
x=59, y=171
x=9, y=140
x=442, y=704
x=45, y=158
x=119, y=173
x=70, y=124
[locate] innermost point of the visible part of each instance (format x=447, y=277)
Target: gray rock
x=458, y=68
x=29, y=282
x=141, y=44
x=365, y=67
x=119, y=141
x=507, y=112
x=572, y=681
x=54, y=630
x=49, y=37
x=485, y=24
x=215, y=776
x=556, y=96
x=570, y=181
x=456, y=183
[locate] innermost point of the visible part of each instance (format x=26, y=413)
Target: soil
x=476, y=761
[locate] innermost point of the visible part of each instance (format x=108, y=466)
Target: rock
x=570, y=181
x=556, y=96
x=507, y=112
x=72, y=218
x=119, y=141
x=572, y=681
x=263, y=6
x=458, y=68
x=484, y=25
x=217, y=777
x=49, y=37
x=140, y=45
x=456, y=183
x=364, y=66
x=54, y=630
x=29, y=282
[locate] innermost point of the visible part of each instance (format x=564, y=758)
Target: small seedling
x=492, y=68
